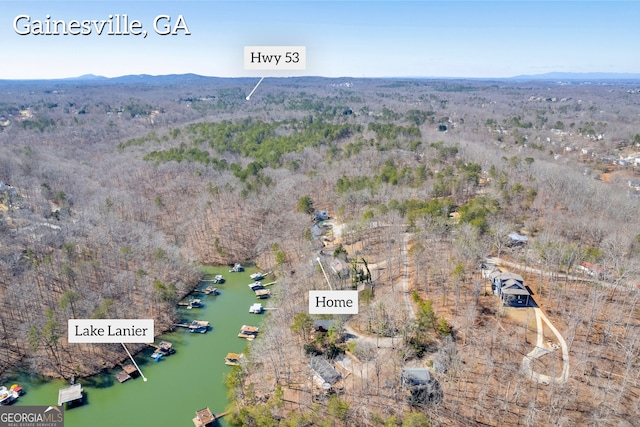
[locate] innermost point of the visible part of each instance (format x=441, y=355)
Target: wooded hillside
x=112, y=195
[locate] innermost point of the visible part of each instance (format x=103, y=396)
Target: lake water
x=177, y=386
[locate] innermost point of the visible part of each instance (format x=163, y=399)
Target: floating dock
x=206, y=418
x=255, y=286
x=237, y=268
x=200, y=326
x=217, y=279
x=128, y=372
x=256, y=308
x=70, y=395
x=248, y=332
x=209, y=290
x=263, y=293
x=192, y=303
x=233, y=359
x=165, y=348
x=122, y=376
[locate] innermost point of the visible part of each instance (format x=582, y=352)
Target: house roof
x=495, y=273
x=507, y=275
x=324, y=324
x=316, y=230
x=596, y=268
x=324, y=370
x=338, y=266
x=516, y=291
x=511, y=283
x=513, y=287
x=515, y=237
x=416, y=376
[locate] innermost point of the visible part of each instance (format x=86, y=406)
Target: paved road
x=526, y=268
x=405, y=276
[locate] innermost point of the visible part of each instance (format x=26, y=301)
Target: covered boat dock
x=70, y=395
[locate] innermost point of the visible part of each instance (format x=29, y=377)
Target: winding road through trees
x=540, y=350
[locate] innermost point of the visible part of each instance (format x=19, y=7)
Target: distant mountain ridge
x=86, y=77
x=578, y=76
x=195, y=78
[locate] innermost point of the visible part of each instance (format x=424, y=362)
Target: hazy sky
x=343, y=38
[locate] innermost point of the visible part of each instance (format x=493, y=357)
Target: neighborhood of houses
x=418, y=384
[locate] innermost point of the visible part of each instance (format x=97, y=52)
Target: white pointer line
x=324, y=272
x=134, y=362
x=254, y=89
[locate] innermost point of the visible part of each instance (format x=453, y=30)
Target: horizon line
x=553, y=75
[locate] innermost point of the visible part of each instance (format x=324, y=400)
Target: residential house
x=340, y=268
x=510, y=288
x=323, y=325
x=593, y=270
x=516, y=240
x=324, y=374
x=321, y=216
x=420, y=387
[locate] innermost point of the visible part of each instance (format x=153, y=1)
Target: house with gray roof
x=420, y=386
x=324, y=374
x=510, y=288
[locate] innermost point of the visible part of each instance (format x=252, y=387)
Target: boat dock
x=248, y=332
x=165, y=348
x=256, y=308
x=70, y=395
x=259, y=285
x=128, y=372
x=122, y=376
x=201, y=326
x=237, y=268
x=233, y=359
x=209, y=290
x=206, y=418
x=192, y=303
x=263, y=293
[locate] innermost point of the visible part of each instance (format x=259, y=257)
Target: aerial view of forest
x=421, y=194
x=305, y=213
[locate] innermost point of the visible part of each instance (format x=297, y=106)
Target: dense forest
x=112, y=193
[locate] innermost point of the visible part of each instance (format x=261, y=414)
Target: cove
x=178, y=385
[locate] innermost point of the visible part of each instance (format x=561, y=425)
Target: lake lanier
x=111, y=331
